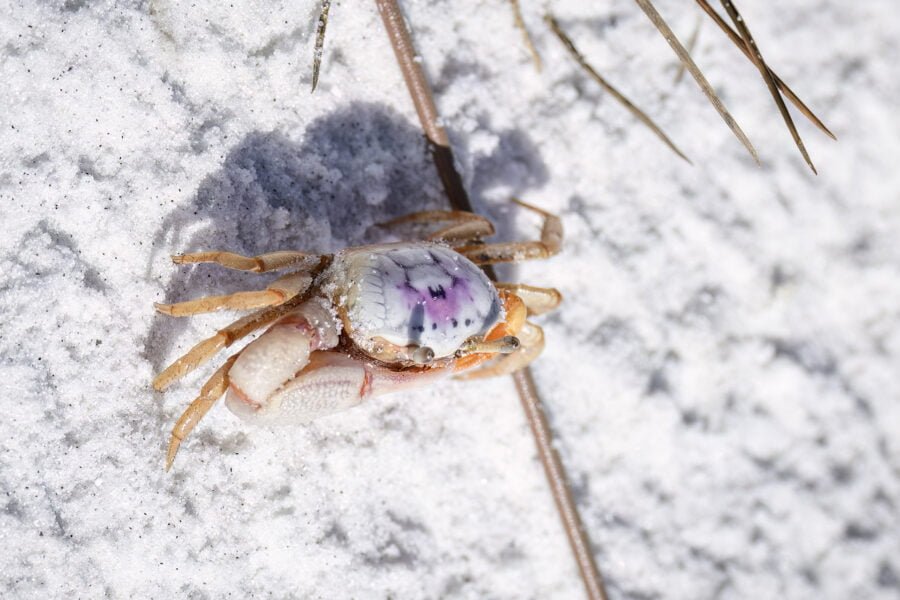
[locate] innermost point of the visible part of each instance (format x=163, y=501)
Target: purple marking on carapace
x=441, y=305
x=418, y=293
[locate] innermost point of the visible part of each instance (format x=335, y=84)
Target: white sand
x=722, y=377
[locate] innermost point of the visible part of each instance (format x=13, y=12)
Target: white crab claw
x=268, y=362
x=330, y=383
x=269, y=368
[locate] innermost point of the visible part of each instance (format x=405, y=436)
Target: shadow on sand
x=358, y=166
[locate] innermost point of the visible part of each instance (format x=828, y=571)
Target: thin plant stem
x=756, y=57
x=529, y=43
x=691, y=44
x=785, y=89
x=320, y=42
x=420, y=92
x=559, y=486
x=685, y=57
x=628, y=104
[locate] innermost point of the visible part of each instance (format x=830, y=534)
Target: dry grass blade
x=594, y=585
x=637, y=112
x=757, y=59
x=785, y=89
x=692, y=68
x=422, y=97
x=691, y=44
x=320, y=42
x=529, y=43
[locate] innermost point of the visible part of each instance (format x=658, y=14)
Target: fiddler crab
x=366, y=321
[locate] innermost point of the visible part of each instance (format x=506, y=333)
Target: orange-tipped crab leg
x=452, y=226
x=211, y=391
x=261, y=263
x=255, y=375
x=279, y=291
x=549, y=244
x=538, y=300
x=205, y=350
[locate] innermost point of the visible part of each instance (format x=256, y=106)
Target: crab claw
x=265, y=380
x=329, y=383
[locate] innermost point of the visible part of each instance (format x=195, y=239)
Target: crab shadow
x=355, y=167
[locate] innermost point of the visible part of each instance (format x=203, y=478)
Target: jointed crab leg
x=551, y=240
x=211, y=391
x=279, y=291
x=538, y=300
x=209, y=347
x=458, y=226
x=258, y=264
x=531, y=343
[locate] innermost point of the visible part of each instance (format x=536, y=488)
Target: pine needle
x=320, y=42
x=691, y=44
x=785, y=89
x=634, y=110
x=529, y=43
x=692, y=68
x=757, y=59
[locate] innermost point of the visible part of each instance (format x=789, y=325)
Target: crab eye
x=509, y=344
x=505, y=345
x=423, y=355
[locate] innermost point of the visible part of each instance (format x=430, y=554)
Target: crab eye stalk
x=505, y=345
x=423, y=355
x=508, y=344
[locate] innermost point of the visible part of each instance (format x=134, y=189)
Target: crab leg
x=531, y=338
x=279, y=291
x=211, y=391
x=261, y=263
x=458, y=226
x=538, y=300
x=208, y=348
x=549, y=244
